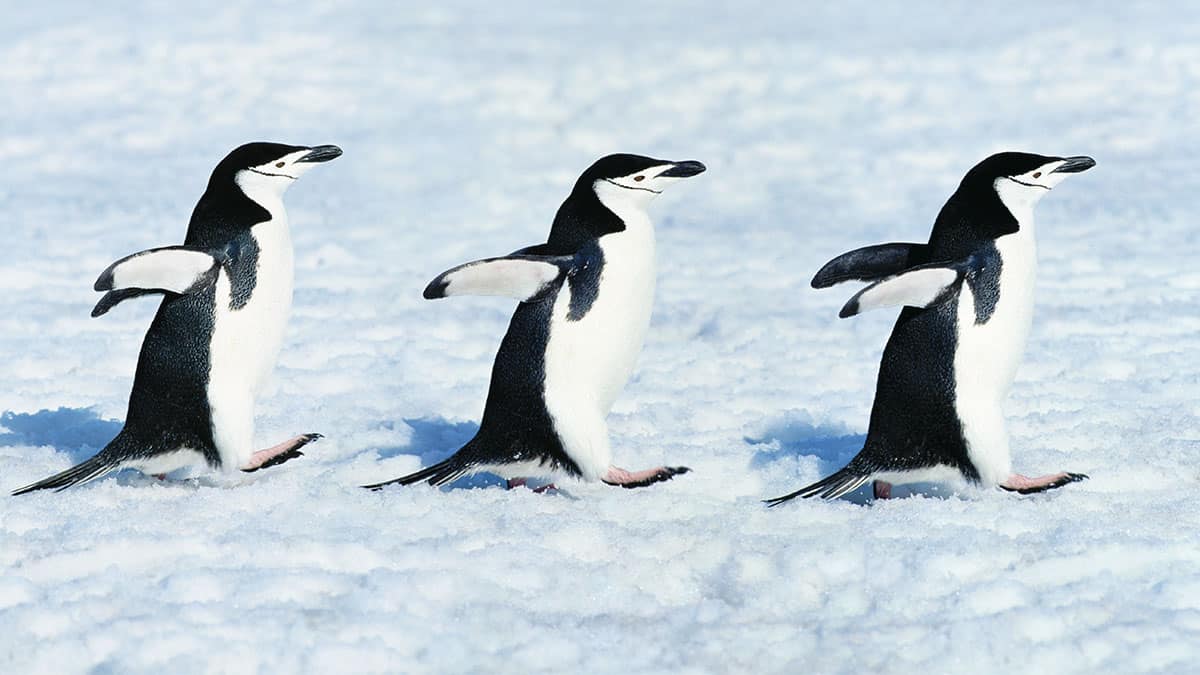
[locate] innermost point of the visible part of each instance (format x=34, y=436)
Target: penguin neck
x=629, y=253
x=1018, y=200
x=971, y=219
x=629, y=206
x=272, y=236
x=584, y=216
x=225, y=213
x=267, y=197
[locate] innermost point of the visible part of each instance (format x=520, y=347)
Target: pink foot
x=882, y=489
x=278, y=454
x=1026, y=485
x=637, y=479
x=512, y=483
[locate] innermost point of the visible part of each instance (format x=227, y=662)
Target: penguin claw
x=284, y=452
x=637, y=479
x=514, y=483
x=1025, y=486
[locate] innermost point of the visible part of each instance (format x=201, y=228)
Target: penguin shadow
x=78, y=432
x=435, y=439
x=832, y=445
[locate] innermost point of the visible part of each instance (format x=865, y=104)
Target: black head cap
x=622, y=164
x=248, y=155
x=1013, y=164
x=615, y=166
x=260, y=153
x=1004, y=164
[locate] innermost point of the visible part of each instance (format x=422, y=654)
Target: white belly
x=246, y=342
x=988, y=355
x=165, y=463
x=589, y=361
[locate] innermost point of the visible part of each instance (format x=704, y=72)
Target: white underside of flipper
x=589, y=361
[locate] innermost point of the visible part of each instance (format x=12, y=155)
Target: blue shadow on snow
x=830, y=444
x=79, y=432
x=796, y=435
x=435, y=439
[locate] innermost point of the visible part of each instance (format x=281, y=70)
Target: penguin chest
x=598, y=325
x=253, y=308
x=253, y=302
x=994, y=319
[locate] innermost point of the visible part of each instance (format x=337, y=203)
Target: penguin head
x=1021, y=179
x=268, y=169
x=633, y=180
x=247, y=185
x=997, y=196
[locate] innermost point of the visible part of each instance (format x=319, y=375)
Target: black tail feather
x=113, y=298
x=83, y=472
x=437, y=475
x=827, y=488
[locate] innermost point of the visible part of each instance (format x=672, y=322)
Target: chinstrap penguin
x=227, y=294
x=586, y=297
x=968, y=306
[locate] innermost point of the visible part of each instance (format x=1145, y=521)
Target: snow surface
x=825, y=126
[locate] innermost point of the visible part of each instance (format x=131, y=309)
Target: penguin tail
x=103, y=462
x=439, y=474
x=846, y=480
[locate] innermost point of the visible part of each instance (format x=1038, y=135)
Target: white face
x=638, y=188
x=1021, y=192
x=275, y=176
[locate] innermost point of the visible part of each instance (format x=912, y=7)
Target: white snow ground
x=825, y=126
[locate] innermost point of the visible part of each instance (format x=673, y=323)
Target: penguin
x=227, y=294
x=968, y=307
x=585, y=300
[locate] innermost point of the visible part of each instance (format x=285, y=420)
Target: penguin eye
x=279, y=165
x=639, y=178
x=1037, y=174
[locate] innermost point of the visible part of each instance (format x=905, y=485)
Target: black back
x=516, y=425
x=913, y=421
x=168, y=406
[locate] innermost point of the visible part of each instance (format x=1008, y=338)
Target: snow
x=824, y=126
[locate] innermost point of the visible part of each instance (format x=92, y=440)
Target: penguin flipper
x=83, y=472
x=527, y=278
x=919, y=287
x=870, y=263
x=113, y=298
x=170, y=269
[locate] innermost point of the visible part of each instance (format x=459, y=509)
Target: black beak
x=1075, y=165
x=321, y=153
x=683, y=170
